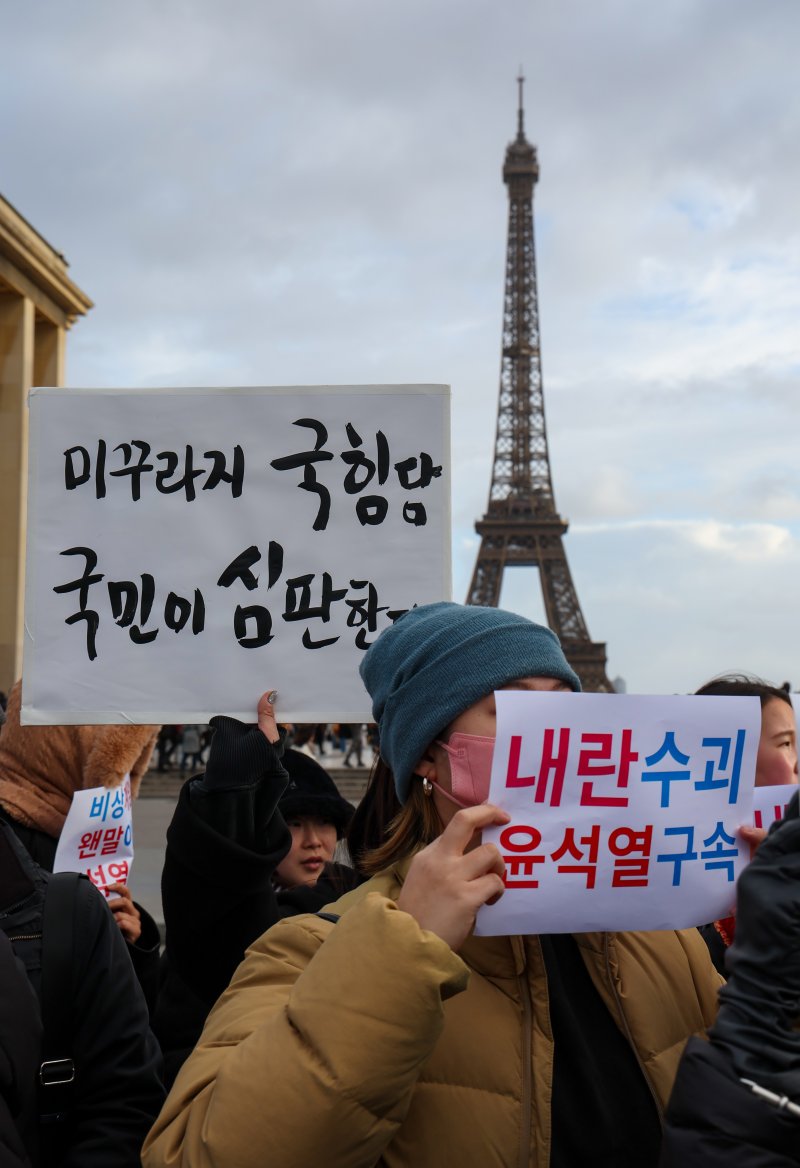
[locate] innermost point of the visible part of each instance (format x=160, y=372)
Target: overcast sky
x=263, y=193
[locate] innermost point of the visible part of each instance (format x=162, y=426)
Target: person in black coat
x=117, y=1090
x=251, y=841
x=736, y=1099
x=20, y=1042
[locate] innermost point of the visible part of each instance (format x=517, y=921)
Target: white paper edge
x=246, y=390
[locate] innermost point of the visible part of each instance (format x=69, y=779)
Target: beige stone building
x=38, y=303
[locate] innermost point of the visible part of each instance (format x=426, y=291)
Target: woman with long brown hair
x=381, y=1031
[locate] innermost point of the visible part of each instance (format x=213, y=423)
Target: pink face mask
x=470, y=768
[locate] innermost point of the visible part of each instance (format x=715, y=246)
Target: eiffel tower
x=521, y=526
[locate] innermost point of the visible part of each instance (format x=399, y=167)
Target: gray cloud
x=264, y=193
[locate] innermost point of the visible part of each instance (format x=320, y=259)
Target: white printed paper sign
x=97, y=838
x=624, y=810
x=189, y=549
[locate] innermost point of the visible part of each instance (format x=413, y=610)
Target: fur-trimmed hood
x=42, y=766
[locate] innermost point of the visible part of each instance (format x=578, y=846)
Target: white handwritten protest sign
x=623, y=810
x=770, y=803
x=97, y=838
x=188, y=549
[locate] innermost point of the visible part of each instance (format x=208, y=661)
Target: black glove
x=760, y=1005
x=240, y=756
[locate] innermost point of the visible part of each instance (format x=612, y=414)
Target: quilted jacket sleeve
x=313, y=1052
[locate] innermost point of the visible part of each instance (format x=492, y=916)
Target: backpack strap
x=57, y=1070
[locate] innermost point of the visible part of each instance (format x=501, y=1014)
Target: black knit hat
x=312, y=791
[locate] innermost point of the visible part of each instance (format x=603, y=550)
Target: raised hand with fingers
x=451, y=878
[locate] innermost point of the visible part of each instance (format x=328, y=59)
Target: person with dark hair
x=381, y=1031
x=251, y=841
x=736, y=1101
x=776, y=765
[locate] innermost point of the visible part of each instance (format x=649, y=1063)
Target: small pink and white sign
x=97, y=839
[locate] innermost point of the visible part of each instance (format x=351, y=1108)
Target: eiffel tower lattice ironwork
x=521, y=526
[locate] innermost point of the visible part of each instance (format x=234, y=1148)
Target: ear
x=426, y=767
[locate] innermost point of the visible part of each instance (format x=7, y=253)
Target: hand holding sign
x=451, y=879
x=242, y=753
x=126, y=914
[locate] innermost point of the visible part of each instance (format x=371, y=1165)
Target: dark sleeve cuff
x=240, y=755
x=144, y=955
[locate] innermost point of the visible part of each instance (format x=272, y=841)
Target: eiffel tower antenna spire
x=522, y=526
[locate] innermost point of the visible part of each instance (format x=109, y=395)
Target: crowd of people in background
x=321, y=997
x=186, y=747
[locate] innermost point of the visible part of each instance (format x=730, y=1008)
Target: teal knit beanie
x=437, y=660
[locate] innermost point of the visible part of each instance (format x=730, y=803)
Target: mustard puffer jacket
x=370, y=1042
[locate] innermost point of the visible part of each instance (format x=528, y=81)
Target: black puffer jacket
x=715, y=1118
x=118, y=1091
